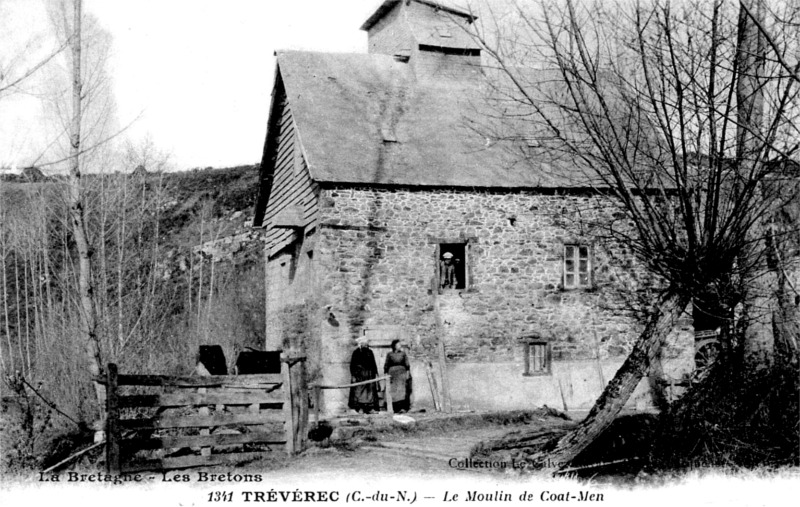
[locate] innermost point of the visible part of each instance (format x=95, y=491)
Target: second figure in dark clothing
x=398, y=368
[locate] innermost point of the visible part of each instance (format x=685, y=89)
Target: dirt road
x=423, y=454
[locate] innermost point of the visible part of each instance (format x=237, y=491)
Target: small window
x=538, y=358
x=452, y=266
x=577, y=267
x=443, y=31
x=388, y=135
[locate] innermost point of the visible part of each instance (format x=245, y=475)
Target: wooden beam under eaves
x=291, y=216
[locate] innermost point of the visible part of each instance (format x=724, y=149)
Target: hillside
x=221, y=200
x=176, y=265
x=224, y=197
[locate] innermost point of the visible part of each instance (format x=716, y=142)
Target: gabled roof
x=363, y=118
x=387, y=5
x=440, y=30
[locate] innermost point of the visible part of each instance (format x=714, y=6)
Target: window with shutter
x=538, y=358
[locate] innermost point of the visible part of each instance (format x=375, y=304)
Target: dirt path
x=420, y=454
x=443, y=448
x=436, y=444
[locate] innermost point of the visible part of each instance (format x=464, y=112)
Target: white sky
x=198, y=71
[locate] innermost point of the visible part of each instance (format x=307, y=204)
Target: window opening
x=538, y=358
x=443, y=31
x=452, y=266
x=577, y=266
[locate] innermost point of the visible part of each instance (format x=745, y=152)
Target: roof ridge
x=388, y=5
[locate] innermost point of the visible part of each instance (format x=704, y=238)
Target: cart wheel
x=706, y=353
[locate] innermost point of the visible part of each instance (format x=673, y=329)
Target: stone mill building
x=371, y=176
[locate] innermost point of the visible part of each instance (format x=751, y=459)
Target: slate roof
x=348, y=108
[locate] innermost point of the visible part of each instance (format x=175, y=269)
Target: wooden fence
x=221, y=416
x=319, y=387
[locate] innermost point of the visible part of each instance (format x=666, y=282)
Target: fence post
x=288, y=412
x=300, y=403
x=204, y=411
x=388, y=396
x=112, y=421
x=317, y=401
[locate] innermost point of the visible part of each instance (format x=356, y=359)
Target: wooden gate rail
x=263, y=398
x=319, y=387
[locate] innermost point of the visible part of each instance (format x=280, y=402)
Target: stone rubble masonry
x=226, y=248
x=371, y=259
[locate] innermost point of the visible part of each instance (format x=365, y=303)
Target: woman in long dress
x=398, y=368
x=362, y=367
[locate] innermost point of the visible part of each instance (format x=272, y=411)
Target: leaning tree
x=685, y=115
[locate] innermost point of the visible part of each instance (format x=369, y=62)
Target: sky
x=194, y=76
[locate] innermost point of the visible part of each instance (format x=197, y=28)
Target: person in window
x=399, y=371
x=448, y=270
x=363, y=398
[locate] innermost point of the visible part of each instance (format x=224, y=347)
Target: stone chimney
x=432, y=37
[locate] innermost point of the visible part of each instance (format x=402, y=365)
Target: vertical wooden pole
x=388, y=397
x=563, y=396
x=437, y=404
x=266, y=297
x=446, y=401
x=303, y=428
x=299, y=403
x=288, y=412
x=445, y=398
x=112, y=421
x=317, y=401
x=204, y=411
x=597, y=363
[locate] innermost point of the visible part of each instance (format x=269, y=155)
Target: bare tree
x=21, y=61
x=677, y=112
x=76, y=211
x=758, y=21
x=94, y=236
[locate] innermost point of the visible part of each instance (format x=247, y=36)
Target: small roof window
x=443, y=31
x=388, y=135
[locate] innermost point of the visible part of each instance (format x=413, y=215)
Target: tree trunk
x=4, y=266
x=18, y=304
x=656, y=381
x=758, y=304
x=759, y=308
x=120, y=260
x=786, y=328
x=88, y=318
x=561, y=451
x=785, y=318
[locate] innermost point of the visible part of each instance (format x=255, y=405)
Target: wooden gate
x=201, y=421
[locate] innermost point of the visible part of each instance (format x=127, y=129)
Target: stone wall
x=372, y=259
x=376, y=251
